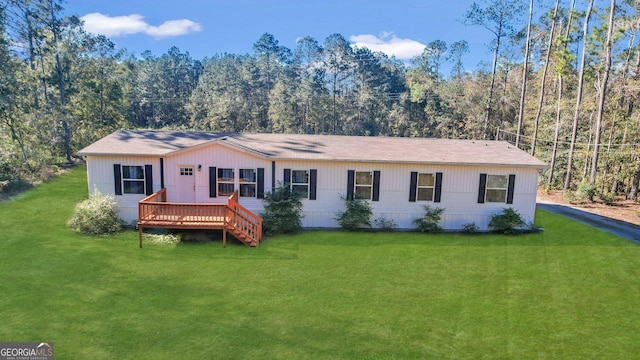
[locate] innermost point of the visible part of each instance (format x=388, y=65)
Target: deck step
x=240, y=235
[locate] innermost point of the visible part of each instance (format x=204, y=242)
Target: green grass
x=570, y=292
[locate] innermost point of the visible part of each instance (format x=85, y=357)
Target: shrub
x=357, y=214
x=383, y=224
x=569, y=196
x=587, y=191
x=13, y=186
x=430, y=221
x=96, y=215
x=507, y=222
x=282, y=211
x=469, y=228
x=607, y=198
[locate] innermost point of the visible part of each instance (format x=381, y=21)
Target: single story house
x=470, y=179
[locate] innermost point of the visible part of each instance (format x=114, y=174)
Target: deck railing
x=155, y=208
x=155, y=211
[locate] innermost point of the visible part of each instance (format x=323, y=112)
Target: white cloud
x=174, y=28
x=390, y=44
x=115, y=26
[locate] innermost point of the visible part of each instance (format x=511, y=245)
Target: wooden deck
x=155, y=212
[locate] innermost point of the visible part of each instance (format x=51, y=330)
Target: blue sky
x=208, y=27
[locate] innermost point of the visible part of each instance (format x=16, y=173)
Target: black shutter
x=117, y=179
x=260, y=192
x=161, y=173
x=273, y=175
x=148, y=179
x=376, y=186
x=482, y=188
x=287, y=177
x=438, y=188
x=512, y=182
x=313, y=181
x=351, y=175
x=213, y=182
x=413, y=186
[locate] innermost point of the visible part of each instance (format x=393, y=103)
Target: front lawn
x=568, y=292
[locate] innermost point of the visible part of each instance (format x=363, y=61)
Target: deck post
x=224, y=237
x=140, y=235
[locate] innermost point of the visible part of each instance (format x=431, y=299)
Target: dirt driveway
x=621, y=228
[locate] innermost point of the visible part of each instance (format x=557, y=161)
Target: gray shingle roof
x=319, y=147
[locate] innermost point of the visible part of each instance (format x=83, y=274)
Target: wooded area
x=564, y=87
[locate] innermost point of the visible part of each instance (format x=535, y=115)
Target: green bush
x=507, y=222
x=13, y=186
x=430, y=222
x=282, y=211
x=469, y=228
x=607, y=198
x=383, y=224
x=357, y=214
x=96, y=215
x=569, y=196
x=587, y=191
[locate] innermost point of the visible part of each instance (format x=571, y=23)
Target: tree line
x=562, y=84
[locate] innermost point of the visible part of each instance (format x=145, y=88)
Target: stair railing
x=244, y=221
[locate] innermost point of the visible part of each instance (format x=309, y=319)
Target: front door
x=186, y=186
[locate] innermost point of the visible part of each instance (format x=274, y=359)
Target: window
x=360, y=185
x=248, y=182
x=363, y=185
x=305, y=182
x=133, y=179
x=426, y=186
x=497, y=188
x=300, y=182
x=226, y=179
x=186, y=171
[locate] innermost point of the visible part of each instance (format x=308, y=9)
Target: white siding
x=100, y=177
x=218, y=156
x=459, y=193
x=458, y=198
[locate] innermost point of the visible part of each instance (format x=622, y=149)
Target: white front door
x=186, y=186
